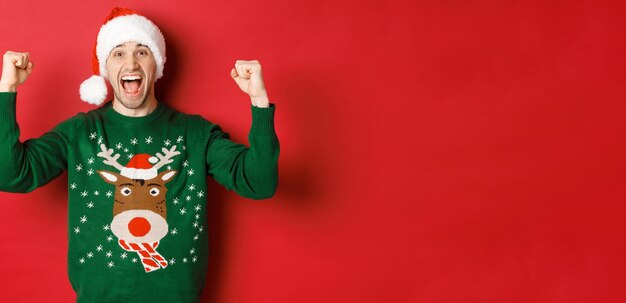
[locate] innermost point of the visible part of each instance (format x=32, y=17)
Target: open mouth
x=132, y=84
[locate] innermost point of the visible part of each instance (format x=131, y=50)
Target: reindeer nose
x=139, y=226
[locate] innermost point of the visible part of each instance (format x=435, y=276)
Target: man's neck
x=148, y=107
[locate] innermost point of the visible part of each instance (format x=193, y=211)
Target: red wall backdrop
x=432, y=151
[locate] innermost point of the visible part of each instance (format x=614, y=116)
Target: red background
x=431, y=151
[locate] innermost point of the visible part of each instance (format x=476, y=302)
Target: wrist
x=7, y=88
x=260, y=101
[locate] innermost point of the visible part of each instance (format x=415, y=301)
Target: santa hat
x=140, y=167
x=122, y=25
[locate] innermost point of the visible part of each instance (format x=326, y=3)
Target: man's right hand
x=15, y=70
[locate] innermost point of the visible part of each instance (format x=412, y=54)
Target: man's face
x=131, y=69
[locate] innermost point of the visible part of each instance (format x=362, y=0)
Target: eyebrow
x=138, y=45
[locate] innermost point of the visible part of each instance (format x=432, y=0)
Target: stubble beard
x=132, y=104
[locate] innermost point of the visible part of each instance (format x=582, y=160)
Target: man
x=136, y=168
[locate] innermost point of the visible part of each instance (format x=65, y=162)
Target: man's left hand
x=249, y=78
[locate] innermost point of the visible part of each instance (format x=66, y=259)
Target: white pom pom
x=93, y=90
x=153, y=160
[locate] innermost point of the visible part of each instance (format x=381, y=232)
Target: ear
x=109, y=177
x=166, y=176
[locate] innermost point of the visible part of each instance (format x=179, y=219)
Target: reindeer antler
x=108, y=159
x=167, y=157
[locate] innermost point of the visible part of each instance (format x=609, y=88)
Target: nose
x=131, y=62
x=139, y=226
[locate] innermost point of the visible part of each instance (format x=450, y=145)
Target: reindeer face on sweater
x=139, y=207
x=133, y=194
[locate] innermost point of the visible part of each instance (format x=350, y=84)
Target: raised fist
x=249, y=78
x=15, y=70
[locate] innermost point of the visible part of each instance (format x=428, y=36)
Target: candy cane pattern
x=150, y=258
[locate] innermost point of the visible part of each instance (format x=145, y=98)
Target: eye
x=126, y=191
x=143, y=52
x=154, y=191
x=117, y=54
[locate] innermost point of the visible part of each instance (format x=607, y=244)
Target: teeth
x=130, y=78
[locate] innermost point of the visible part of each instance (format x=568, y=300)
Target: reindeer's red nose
x=139, y=226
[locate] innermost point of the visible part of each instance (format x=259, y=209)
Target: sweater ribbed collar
x=116, y=117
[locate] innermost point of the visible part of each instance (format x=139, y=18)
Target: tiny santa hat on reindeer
x=122, y=25
x=140, y=167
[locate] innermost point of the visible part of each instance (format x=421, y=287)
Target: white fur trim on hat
x=129, y=28
x=93, y=90
x=139, y=173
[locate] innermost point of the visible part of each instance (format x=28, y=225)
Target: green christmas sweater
x=137, y=193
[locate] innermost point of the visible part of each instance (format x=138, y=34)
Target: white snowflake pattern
x=198, y=207
x=105, y=227
x=192, y=251
x=77, y=230
x=73, y=186
x=109, y=238
x=123, y=255
x=111, y=264
x=96, y=193
x=174, y=231
x=79, y=167
x=195, y=237
x=183, y=211
x=195, y=224
x=83, y=219
x=109, y=194
x=172, y=261
x=188, y=198
x=90, y=255
x=90, y=160
x=149, y=140
x=175, y=201
x=200, y=229
x=99, y=248
x=134, y=260
x=184, y=147
x=190, y=172
x=100, y=140
x=194, y=259
x=109, y=254
x=81, y=260
x=185, y=163
x=167, y=142
x=133, y=141
x=118, y=145
x=169, y=167
x=90, y=172
x=90, y=204
x=92, y=136
x=125, y=150
x=200, y=194
x=179, y=139
x=197, y=216
x=84, y=194
x=184, y=260
x=129, y=156
x=192, y=187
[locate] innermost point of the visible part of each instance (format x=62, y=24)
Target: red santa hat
x=122, y=25
x=140, y=167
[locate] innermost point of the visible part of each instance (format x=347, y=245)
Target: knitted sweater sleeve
x=251, y=172
x=24, y=166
